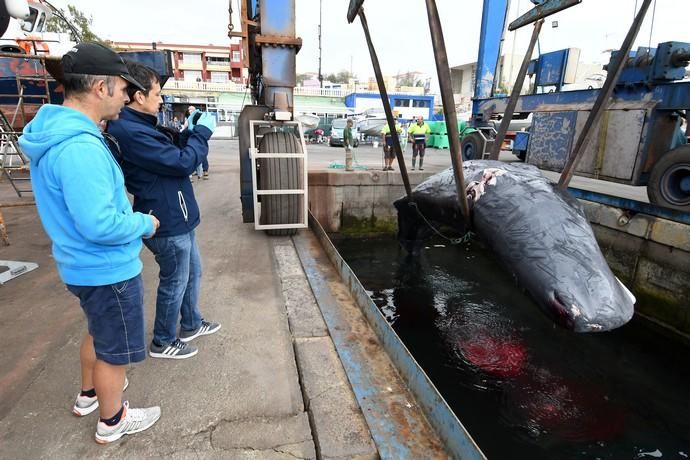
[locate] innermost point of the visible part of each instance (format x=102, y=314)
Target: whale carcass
x=539, y=233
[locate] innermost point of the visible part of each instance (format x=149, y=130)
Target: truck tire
x=669, y=183
x=280, y=173
x=471, y=147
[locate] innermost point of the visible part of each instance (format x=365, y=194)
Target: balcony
x=328, y=92
x=189, y=65
x=231, y=87
x=218, y=67
x=204, y=86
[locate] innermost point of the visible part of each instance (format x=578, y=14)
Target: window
x=219, y=77
x=28, y=24
x=191, y=58
x=41, y=23
x=402, y=103
x=192, y=75
x=217, y=60
x=420, y=103
x=235, y=56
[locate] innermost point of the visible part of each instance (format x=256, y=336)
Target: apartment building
x=198, y=63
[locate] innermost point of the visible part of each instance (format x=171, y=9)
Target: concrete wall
x=650, y=255
x=358, y=202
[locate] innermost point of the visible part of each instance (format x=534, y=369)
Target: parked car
x=337, y=128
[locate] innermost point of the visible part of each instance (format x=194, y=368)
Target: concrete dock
x=269, y=384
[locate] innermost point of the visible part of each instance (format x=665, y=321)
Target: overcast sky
x=399, y=29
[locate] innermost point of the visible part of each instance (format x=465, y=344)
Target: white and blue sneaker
x=84, y=405
x=132, y=421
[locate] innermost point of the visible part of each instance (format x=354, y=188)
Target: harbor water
x=523, y=387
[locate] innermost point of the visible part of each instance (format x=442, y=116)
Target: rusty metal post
x=448, y=100
x=386, y=105
x=603, y=98
x=3, y=230
x=515, y=94
x=3, y=227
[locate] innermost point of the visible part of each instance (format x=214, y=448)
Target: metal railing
x=234, y=87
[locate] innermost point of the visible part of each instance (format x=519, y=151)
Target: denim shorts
x=115, y=314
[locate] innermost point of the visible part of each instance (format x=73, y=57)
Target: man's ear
x=101, y=88
x=138, y=97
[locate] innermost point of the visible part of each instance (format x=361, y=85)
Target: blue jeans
x=178, y=291
x=202, y=167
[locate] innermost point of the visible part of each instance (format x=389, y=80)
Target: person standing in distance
x=96, y=237
x=388, y=150
x=418, y=133
x=156, y=173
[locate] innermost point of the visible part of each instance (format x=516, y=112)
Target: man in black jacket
x=157, y=174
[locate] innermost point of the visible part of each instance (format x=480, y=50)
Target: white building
x=463, y=78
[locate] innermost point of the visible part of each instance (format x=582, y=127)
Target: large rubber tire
x=471, y=147
x=669, y=183
x=280, y=173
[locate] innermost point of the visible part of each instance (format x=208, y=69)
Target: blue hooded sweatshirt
x=81, y=199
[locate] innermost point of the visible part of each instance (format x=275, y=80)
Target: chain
x=463, y=239
x=230, y=26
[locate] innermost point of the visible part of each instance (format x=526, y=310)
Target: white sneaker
x=132, y=421
x=84, y=405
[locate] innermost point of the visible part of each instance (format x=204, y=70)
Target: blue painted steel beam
x=493, y=22
x=277, y=17
x=631, y=205
x=278, y=71
x=672, y=96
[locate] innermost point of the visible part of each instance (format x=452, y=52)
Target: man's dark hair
x=144, y=75
x=76, y=85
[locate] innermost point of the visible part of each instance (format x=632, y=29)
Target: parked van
x=337, y=128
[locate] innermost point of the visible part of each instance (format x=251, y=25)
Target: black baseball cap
x=90, y=59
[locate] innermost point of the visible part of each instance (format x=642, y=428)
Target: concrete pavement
x=242, y=396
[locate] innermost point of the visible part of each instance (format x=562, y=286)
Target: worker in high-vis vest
x=388, y=151
x=418, y=134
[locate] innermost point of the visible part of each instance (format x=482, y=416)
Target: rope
x=463, y=239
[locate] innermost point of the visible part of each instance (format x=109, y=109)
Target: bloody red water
x=499, y=357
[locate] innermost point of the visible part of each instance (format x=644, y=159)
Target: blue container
x=521, y=141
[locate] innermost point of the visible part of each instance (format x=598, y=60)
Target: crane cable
x=230, y=26
x=651, y=29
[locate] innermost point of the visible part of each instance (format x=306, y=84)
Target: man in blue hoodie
x=157, y=174
x=97, y=238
